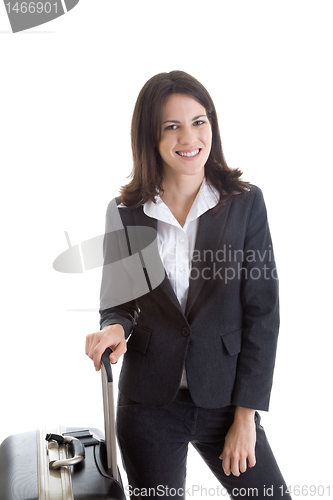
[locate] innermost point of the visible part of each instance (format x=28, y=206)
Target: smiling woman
x=199, y=349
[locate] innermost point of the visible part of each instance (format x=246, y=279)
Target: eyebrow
x=176, y=121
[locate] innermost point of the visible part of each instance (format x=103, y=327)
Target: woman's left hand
x=239, y=445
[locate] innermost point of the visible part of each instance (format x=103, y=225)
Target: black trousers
x=154, y=443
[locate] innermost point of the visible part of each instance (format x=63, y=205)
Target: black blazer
x=228, y=335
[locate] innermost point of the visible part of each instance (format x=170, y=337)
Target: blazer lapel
x=210, y=230
x=164, y=290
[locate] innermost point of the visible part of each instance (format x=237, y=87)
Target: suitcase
x=65, y=464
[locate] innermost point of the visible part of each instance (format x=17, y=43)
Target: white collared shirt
x=176, y=243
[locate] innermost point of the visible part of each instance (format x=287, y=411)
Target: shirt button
x=182, y=269
x=185, y=332
x=182, y=240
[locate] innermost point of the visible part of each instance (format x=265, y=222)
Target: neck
x=181, y=190
x=179, y=194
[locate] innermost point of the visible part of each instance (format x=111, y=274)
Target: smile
x=190, y=154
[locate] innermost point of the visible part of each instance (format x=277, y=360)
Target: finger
x=118, y=351
x=87, y=346
x=242, y=464
x=91, y=341
x=252, y=460
x=226, y=462
x=235, y=466
x=97, y=352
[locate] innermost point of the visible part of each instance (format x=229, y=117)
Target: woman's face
x=186, y=137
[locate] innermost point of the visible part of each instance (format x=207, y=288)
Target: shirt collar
x=207, y=198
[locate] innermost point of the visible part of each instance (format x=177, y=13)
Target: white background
x=67, y=93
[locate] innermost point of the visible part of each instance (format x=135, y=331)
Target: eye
x=171, y=127
x=199, y=122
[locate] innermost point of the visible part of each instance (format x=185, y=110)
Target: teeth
x=194, y=153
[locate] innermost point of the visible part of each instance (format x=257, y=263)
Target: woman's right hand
x=111, y=336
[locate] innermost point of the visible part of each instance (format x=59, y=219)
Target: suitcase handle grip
x=77, y=447
x=106, y=363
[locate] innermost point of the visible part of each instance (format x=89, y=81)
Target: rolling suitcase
x=66, y=464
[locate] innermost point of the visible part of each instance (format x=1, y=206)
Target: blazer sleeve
x=117, y=304
x=260, y=303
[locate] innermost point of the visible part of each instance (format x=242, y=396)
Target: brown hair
x=147, y=173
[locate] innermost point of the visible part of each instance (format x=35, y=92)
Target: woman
x=201, y=344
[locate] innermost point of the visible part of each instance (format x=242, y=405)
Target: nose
x=187, y=135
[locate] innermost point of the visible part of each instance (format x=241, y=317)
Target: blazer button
x=185, y=332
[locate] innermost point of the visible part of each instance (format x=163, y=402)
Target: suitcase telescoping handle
x=109, y=414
